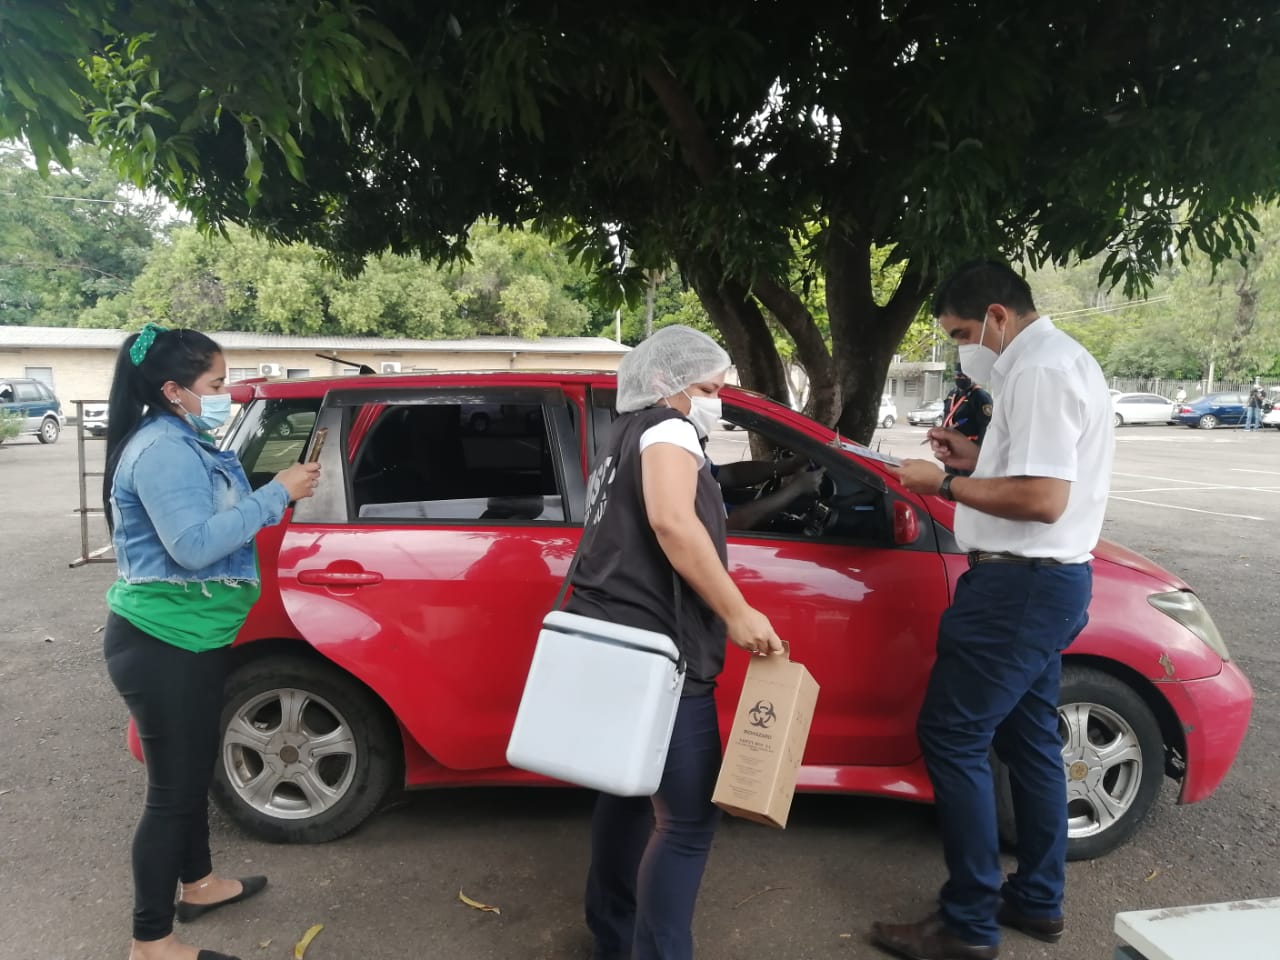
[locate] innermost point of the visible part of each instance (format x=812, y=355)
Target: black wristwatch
x=944, y=491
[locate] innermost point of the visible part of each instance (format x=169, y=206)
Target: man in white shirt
x=1029, y=516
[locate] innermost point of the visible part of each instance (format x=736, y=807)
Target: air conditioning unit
x=391, y=366
x=271, y=369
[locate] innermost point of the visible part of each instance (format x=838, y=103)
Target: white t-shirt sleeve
x=1046, y=415
x=675, y=431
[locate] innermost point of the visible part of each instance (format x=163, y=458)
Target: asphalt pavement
x=1204, y=504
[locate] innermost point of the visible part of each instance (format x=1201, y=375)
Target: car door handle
x=338, y=578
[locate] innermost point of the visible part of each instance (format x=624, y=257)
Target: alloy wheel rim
x=289, y=754
x=1103, y=761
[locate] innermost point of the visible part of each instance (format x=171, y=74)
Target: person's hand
x=920, y=476
x=751, y=630
x=300, y=480
x=953, y=448
x=790, y=464
x=808, y=482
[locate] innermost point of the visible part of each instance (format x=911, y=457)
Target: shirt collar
x=1036, y=330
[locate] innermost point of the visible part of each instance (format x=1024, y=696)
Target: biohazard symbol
x=763, y=714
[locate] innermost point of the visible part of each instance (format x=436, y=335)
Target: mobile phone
x=317, y=444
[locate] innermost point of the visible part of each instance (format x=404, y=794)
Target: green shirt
x=196, y=616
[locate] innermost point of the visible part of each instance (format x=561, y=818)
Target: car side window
x=273, y=435
x=27, y=392
x=467, y=461
x=847, y=505
x=6, y=393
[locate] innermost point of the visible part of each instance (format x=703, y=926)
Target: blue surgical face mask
x=215, y=408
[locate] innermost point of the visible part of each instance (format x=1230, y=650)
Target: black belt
x=987, y=556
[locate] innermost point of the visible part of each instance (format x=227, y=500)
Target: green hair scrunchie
x=147, y=336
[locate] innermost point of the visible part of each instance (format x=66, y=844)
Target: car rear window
x=458, y=461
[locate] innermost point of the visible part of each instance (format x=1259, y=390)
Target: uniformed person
x=968, y=409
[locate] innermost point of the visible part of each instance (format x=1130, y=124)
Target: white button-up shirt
x=1051, y=417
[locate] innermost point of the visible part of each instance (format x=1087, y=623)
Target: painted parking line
x=1148, y=476
x=1174, y=506
x=1269, y=473
x=1202, y=489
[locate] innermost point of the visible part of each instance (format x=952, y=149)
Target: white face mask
x=978, y=360
x=705, y=413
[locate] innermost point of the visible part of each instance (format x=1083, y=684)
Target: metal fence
x=1169, y=388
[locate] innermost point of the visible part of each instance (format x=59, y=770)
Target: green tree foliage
x=516, y=284
x=68, y=240
x=709, y=133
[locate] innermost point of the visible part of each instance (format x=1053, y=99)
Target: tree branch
x=685, y=121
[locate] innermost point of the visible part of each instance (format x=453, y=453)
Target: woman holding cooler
x=183, y=521
x=657, y=509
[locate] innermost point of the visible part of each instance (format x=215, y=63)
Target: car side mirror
x=906, y=524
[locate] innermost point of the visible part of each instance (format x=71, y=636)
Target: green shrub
x=10, y=426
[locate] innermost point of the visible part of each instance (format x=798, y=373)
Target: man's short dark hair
x=976, y=285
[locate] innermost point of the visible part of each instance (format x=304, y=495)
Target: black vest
x=625, y=577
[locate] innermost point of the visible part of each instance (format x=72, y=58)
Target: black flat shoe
x=186, y=912
x=214, y=955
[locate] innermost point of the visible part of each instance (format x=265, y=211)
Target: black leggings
x=175, y=697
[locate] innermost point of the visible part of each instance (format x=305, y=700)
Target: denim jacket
x=183, y=510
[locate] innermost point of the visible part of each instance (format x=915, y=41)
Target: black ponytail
x=182, y=356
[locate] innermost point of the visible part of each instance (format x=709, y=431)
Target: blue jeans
x=1252, y=418
x=996, y=683
x=648, y=853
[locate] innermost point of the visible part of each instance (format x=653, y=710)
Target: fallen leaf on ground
x=6, y=790
x=263, y=944
x=1152, y=875
x=477, y=905
x=300, y=948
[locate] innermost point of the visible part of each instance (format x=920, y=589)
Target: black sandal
x=186, y=912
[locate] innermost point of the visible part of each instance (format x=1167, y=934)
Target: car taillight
x=1184, y=409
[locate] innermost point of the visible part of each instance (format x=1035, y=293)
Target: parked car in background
x=1215, y=410
x=932, y=413
x=35, y=403
x=888, y=415
x=1141, y=408
x=1272, y=417
x=95, y=419
x=401, y=604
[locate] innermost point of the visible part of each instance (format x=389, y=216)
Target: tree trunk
x=746, y=334
x=865, y=335
x=650, y=295
x=823, y=403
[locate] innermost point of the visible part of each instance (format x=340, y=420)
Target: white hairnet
x=671, y=360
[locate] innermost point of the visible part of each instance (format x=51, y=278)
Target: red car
x=401, y=605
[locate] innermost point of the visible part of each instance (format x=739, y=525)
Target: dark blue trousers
x=648, y=853
x=996, y=683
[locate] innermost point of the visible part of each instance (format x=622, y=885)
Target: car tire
x=888, y=422
x=49, y=430
x=1207, y=422
x=937, y=421
x=277, y=710
x=1112, y=714
x=1119, y=420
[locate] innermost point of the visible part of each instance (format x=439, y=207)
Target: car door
x=858, y=610
x=433, y=549
x=1229, y=408
x=1151, y=408
x=9, y=401
x=29, y=404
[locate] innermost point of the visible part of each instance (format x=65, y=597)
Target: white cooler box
x=598, y=706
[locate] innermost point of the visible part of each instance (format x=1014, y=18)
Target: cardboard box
x=766, y=743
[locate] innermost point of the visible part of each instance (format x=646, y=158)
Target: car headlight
x=1185, y=607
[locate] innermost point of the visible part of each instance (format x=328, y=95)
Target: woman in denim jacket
x=183, y=520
